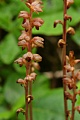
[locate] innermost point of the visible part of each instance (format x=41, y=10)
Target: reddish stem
x=74, y=97
x=30, y=49
x=28, y=69
x=64, y=58
x=26, y=100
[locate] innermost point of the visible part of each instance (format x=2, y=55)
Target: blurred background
x=48, y=101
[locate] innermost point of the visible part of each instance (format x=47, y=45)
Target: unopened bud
x=71, y=31
x=22, y=43
x=36, y=65
x=69, y=3
x=20, y=110
x=30, y=98
x=26, y=25
x=24, y=14
x=57, y=22
x=61, y=43
x=33, y=75
x=20, y=81
x=38, y=41
x=20, y=61
x=67, y=17
x=24, y=36
x=37, y=22
x=37, y=58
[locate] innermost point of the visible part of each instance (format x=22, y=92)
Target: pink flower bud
x=37, y=22
x=23, y=43
x=33, y=75
x=38, y=41
x=37, y=58
x=20, y=81
x=24, y=36
x=36, y=65
x=20, y=61
x=24, y=14
x=26, y=25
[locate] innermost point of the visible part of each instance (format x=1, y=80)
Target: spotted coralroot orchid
x=70, y=80
x=29, y=60
x=68, y=64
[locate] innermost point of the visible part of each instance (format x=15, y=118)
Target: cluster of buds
x=69, y=76
x=70, y=80
x=70, y=30
x=26, y=41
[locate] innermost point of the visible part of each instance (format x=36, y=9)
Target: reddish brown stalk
x=30, y=105
x=64, y=57
x=74, y=97
x=26, y=101
x=29, y=60
x=26, y=92
x=69, y=80
x=30, y=49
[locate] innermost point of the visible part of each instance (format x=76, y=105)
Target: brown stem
x=26, y=93
x=74, y=97
x=28, y=69
x=64, y=58
x=30, y=1
x=30, y=49
x=26, y=100
x=30, y=92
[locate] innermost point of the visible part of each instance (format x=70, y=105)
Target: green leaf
x=8, y=49
x=19, y=69
x=78, y=97
x=12, y=89
x=47, y=27
x=5, y=115
x=49, y=106
x=5, y=17
x=76, y=37
x=72, y=12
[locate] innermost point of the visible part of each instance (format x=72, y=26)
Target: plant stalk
x=74, y=97
x=26, y=100
x=30, y=50
x=28, y=88
x=64, y=58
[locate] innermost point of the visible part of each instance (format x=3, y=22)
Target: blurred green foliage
x=47, y=103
